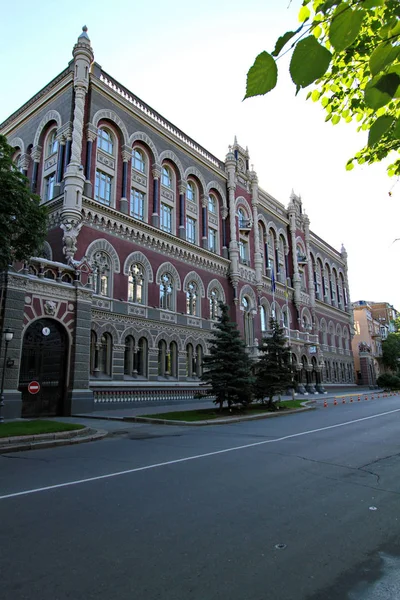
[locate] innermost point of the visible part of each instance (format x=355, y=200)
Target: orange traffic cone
x=334, y=402
x=366, y=397
x=344, y=401
x=351, y=398
x=325, y=404
x=358, y=399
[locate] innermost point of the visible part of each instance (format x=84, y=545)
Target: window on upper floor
x=138, y=160
x=243, y=252
x=166, y=177
x=167, y=299
x=263, y=317
x=192, y=299
x=103, y=188
x=191, y=192
x=212, y=204
x=212, y=239
x=191, y=230
x=52, y=143
x=102, y=274
x=105, y=140
x=137, y=204
x=136, y=284
x=49, y=186
x=214, y=300
x=166, y=217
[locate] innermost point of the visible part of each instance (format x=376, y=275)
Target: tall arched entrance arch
x=44, y=360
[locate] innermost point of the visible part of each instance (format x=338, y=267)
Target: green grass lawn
x=35, y=427
x=208, y=414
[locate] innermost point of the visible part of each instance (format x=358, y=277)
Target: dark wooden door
x=44, y=359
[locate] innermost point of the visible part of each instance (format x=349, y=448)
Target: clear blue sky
x=189, y=61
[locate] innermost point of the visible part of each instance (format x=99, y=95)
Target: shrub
x=388, y=381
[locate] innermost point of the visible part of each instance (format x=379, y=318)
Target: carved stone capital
x=156, y=171
x=36, y=153
x=91, y=132
x=182, y=186
x=204, y=200
x=126, y=154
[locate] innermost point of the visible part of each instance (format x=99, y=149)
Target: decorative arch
x=339, y=331
x=247, y=290
x=271, y=225
x=140, y=258
x=300, y=242
x=216, y=186
x=104, y=245
x=168, y=338
x=196, y=173
x=282, y=233
x=193, y=276
x=46, y=251
x=214, y=283
x=305, y=313
x=137, y=334
x=51, y=115
x=17, y=143
x=169, y=155
x=108, y=328
x=171, y=269
x=140, y=136
x=111, y=116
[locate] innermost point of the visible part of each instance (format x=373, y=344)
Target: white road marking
x=197, y=456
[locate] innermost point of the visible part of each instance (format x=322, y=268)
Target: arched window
x=129, y=356
x=248, y=322
x=105, y=355
x=52, y=143
x=102, y=274
x=142, y=357
x=212, y=204
x=285, y=317
x=191, y=191
x=192, y=299
x=105, y=140
x=190, y=361
x=243, y=220
x=199, y=361
x=163, y=359
x=263, y=316
x=214, y=300
x=166, y=292
x=173, y=359
x=138, y=160
x=166, y=177
x=135, y=284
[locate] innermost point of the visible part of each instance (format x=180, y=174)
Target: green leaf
x=262, y=76
x=304, y=14
x=315, y=95
x=396, y=129
x=381, y=125
x=283, y=40
x=379, y=91
x=345, y=26
x=373, y=3
x=349, y=166
x=309, y=61
x=335, y=119
x=327, y=5
x=382, y=56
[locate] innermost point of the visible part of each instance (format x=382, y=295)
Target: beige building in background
x=371, y=327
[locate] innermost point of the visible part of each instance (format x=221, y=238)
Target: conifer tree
x=274, y=372
x=227, y=368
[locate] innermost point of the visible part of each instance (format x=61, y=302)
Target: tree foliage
x=391, y=351
x=227, y=368
x=274, y=372
x=23, y=222
x=350, y=51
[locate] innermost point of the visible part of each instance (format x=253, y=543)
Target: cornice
x=122, y=226
x=332, y=310
x=36, y=102
x=152, y=123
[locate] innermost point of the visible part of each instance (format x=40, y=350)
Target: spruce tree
x=227, y=367
x=274, y=372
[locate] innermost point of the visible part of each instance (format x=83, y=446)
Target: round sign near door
x=34, y=387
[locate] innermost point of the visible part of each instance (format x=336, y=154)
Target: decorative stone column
x=181, y=226
x=35, y=156
x=91, y=135
x=230, y=166
x=296, y=275
x=224, y=214
x=204, y=223
x=74, y=176
x=311, y=287
x=155, y=217
x=24, y=163
x=126, y=157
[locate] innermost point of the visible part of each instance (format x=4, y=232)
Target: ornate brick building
x=147, y=232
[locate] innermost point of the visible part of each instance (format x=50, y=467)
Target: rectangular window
x=243, y=252
x=191, y=230
x=137, y=204
x=103, y=188
x=166, y=218
x=212, y=239
x=49, y=187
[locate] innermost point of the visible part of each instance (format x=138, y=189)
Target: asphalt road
x=305, y=506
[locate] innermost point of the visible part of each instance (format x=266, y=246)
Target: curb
x=221, y=421
x=50, y=440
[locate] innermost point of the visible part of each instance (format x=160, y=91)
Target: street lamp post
x=8, y=336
